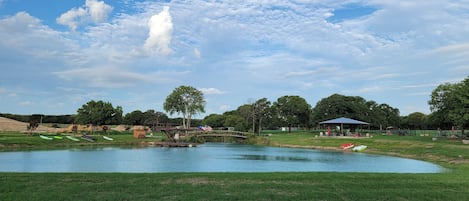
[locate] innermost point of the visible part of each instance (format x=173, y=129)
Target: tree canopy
x=187, y=101
x=260, y=110
x=99, y=113
x=355, y=107
x=292, y=110
x=147, y=118
x=450, y=102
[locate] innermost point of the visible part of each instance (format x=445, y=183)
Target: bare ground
x=18, y=126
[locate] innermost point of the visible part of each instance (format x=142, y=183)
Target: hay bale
x=139, y=133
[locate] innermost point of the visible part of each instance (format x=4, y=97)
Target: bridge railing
x=221, y=132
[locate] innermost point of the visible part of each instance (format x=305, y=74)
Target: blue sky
x=57, y=55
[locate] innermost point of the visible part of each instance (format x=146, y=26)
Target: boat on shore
x=58, y=137
x=108, y=138
x=88, y=138
x=359, y=148
x=45, y=137
x=72, y=138
x=346, y=146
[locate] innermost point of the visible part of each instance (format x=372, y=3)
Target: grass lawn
x=452, y=185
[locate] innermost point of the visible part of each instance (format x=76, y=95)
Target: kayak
x=346, y=146
x=58, y=137
x=359, y=148
x=45, y=137
x=88, y=138
x=107, y=138
x=72, y=138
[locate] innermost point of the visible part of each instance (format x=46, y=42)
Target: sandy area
x=13, y=125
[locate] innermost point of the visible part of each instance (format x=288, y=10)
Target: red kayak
x=346, y=146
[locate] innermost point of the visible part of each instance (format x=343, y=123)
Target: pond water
x=210, y=157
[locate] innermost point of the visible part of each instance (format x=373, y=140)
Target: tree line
x=449, y=104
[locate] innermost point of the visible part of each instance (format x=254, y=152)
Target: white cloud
x=197, y=53
x=160, y=34
x=98, y=10
x=209, y=91
x=93, y=10
x=2, y=90
x=316, y=72
x=69, y=18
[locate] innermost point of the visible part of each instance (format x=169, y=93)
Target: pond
x=210, y=157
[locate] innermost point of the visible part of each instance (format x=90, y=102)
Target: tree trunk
x=189, y=117
x=260, y=126
x=184, y=120
x=253, y=124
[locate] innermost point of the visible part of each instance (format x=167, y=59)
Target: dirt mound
x=76, y=127
x=120, y=128
x=13, y=125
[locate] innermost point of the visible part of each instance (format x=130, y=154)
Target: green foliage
x=337, y=105
x=134, y=118
x=99, y=113
x=416, y=120
x=185, y=100
x=147, y=118
x=355, y=107
x=292, y=110
x=153, y=118
x=237, y=122
x=214, y=120
x=451, y=102
x=260, y=110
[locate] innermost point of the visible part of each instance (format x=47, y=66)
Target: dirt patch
x=18, y=126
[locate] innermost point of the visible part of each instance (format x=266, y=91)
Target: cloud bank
x=243, y=50
x=93, y=11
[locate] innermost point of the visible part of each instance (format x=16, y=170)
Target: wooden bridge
x=222, y=133
x=174, y=134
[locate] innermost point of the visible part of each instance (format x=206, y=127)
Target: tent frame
x=343, y=121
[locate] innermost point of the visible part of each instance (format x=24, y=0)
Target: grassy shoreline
x=453, y=185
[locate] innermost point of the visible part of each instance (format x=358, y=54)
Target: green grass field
x=451, y=185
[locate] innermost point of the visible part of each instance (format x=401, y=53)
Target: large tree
x=99, y=113
x=451, y=102
x=337, y=105
x=293, y=110
x=214, y=120
x=259, y=111
x=239, y=118
x=154, y=118
x=187, y=101
x=416, y=121
x=134, y=118
x=381, y=115
x=356, y=107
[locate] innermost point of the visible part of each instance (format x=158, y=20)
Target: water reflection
x=211, y=157
x=272, y=158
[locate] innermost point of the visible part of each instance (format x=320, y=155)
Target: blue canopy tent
x=343, y=121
